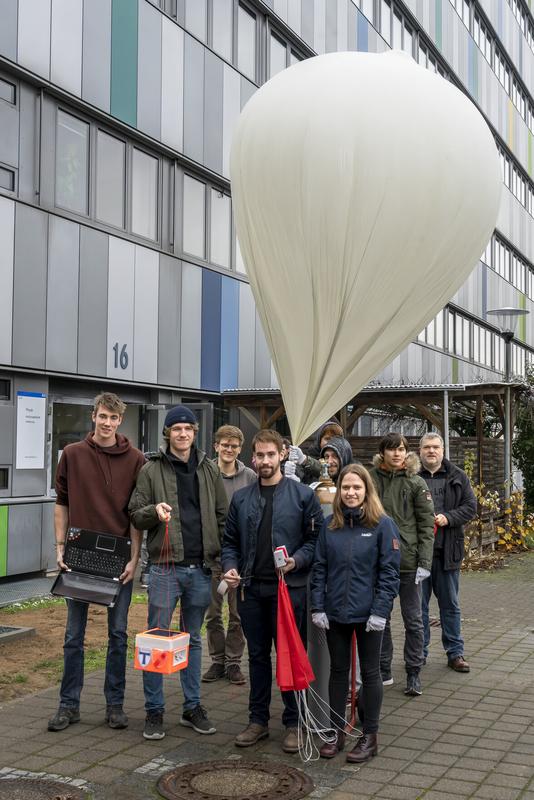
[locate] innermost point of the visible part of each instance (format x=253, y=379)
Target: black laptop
x=96, y=560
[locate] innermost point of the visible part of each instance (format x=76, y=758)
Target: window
x=366, y=7
x=482, y=37
x=222, y=19
x=220, y=228
x=72, y=163
x=8, y=91
x=194, y=217
x=4, y=478
x=385, y=20
x=462, y=9
x=397, y=31
x=110, y=184
x=246, y=42
x=7, y=179
x=144, y=194
x=195, y=18
x=278, y=55
x=5, y=389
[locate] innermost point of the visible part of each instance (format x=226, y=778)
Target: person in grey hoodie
x=226, y=648
x=337, y=454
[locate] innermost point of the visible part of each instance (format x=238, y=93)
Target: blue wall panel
x=229, y=333
x=210, y=368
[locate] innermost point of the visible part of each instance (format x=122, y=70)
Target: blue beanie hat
x=179, y=414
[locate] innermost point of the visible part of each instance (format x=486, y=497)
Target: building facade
x=119, y=264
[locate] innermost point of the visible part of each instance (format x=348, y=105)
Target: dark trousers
x=412, y=616
x=339, y=639
x=258, y=611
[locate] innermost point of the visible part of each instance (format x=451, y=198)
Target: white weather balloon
x=365, y=189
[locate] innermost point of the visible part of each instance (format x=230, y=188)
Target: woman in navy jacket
x=355, y=579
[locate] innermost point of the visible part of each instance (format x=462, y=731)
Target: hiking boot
x=115, y=717
x=331, y=749
x=291, y=741
x=413, y=685
x=366, y=747
x=215, y=672
x=252, y=734
x=154, y=725
x=197, y=719
x=458, y=664
x=234, y=675
x=64, y=717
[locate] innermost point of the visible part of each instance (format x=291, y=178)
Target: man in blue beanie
x=180, y=499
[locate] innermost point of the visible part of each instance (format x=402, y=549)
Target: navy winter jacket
x=356, y=571
x=297, y=519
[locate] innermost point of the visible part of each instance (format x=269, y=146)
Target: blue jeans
x=192, y=586
x=73, y=651
x=445, y=585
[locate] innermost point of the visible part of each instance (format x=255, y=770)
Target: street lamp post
x=507, y=319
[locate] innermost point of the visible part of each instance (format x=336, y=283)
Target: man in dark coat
x=454, y=506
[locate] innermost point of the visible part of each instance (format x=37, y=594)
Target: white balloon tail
x=309, y=726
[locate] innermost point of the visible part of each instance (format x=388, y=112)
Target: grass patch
x=27, y=605
x=8, y=680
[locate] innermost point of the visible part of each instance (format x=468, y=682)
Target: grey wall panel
x=191, y=326
x=24, y=539
x=170, y=303
x=149, y=70
x=213, y=112
x=48, y=549
x=247, y=90
x=7, y=235
x=27, y=482
x=29, y=106
x=93, y=302
x=66, y=45
x=9, y=138
x=262, y=359
x=307, y=21
x=247, y=337
x=62, y=295
x=34, y=36
x=121, y=281
x=172, y=84
x=145, y=353
x=193, y=98
x=96, y=64
x=7, y=432
x=8, y=29
x=231, y=111
x=29, y=290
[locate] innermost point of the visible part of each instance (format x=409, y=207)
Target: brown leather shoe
x=291, y=741
x=331, y=749
x=459, y=664
x=366, y=747
x=252, y=734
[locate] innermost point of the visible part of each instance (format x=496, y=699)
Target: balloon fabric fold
x=293, y=669
x=365, y=188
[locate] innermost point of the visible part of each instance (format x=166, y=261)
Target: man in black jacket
x=454, y=505
x=272, y=512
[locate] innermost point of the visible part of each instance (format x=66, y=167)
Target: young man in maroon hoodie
x=94, y=481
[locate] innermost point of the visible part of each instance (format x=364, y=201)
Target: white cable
x=309, y=725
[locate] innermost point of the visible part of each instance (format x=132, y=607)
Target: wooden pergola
x=264, y=407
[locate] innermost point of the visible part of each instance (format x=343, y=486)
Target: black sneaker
x=154, y=725
x=413, y=685
x=115, y=717
x=215, y=672
x=63, y=718
x=197, y=719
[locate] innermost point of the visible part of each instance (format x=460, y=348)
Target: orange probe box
x=161, y=650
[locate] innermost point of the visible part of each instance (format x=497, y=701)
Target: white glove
x=421, y=575
x=320, y=619
x=296, y=454
x=375, y=623
x=290, y=469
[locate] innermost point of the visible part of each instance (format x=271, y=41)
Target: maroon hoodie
x=96, y=483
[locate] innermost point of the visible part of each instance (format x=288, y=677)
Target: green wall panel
x=124, y=27
x=455, y=370
x=3, y=541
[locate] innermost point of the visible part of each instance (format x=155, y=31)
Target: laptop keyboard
x=106, y=564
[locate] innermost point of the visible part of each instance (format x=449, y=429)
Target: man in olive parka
x=406, y=498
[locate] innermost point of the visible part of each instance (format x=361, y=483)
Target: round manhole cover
x=228, y=780
x=33, y=789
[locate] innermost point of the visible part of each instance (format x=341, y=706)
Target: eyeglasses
x=226, y=446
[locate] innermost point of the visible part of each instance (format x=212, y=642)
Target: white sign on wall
x=31, y=430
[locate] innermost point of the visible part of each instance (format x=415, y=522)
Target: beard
x=266, y=471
